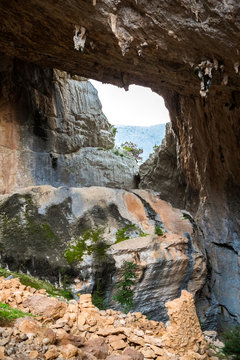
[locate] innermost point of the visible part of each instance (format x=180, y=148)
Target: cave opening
x=151, y=43
x=138, y=115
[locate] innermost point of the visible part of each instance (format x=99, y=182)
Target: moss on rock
x=129, y=232
x=90, y=243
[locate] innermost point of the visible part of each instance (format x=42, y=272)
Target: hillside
x=144, y=137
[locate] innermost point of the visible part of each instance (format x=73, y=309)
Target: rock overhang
x=155, y=44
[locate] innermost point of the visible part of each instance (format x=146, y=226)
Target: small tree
x=132, y=150
x=232, y=343
x=124, y=295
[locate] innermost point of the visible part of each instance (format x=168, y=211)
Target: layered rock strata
x=78, y=329
x=84, y=236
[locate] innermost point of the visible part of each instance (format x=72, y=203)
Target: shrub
x=118, y=152
x=98, y=298
x=158, y=231
x=113, y=130
x=232, y=343
x=132, y=150
x=124, y=295
x=125, y=233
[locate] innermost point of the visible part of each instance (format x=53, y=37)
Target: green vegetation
x=124, y=295
x=91, y=242
x=232, y=343
x=98, y=298
x=118, y=152
x=158, y=231
x=7, y=314
x=155, y=147
x=35, y=283
x=113, y=130
x=184, y=218
x=128, y=150
x=25, y=231
x=132, y=150
x=124, y=234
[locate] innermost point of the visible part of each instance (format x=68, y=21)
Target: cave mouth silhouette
x=138, y=106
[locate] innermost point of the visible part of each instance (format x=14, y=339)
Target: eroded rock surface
x=52, y=126
x=162, y=171
x=98, y=167
x=101, y=228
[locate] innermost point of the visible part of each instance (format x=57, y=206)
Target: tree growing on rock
x=132, y=150
x=124, y=295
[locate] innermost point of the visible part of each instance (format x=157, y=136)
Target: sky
x=138, y=106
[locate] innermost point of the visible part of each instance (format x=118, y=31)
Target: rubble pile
x=78, y=330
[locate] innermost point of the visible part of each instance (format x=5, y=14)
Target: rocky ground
x=78, y=330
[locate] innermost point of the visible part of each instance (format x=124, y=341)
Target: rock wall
x=82, y=237
x=162, y=171
x=210, y=192
x=47, y=119
x=208, y=135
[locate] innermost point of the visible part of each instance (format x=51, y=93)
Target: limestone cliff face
x=210, y=158
x=162, y=171
x=47, y=120
x=179, y=49
x=85, y=235
x=211, y=193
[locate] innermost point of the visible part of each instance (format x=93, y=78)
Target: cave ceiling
x=150, y=43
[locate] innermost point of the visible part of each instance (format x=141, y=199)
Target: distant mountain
x=144, y=137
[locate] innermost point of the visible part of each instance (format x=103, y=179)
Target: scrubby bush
x=98, y=298
x=232, y=343
x=132, y=150
x=128, y=232
x=158, y=231
x=113, y=130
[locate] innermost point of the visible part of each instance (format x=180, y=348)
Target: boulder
x=28, y=326
x=86, y=235
x=42, y=305
x=133, y=354
x=68, y=351
x=97, y=348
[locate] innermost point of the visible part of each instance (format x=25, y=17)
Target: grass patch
x=38, y=284
x=125, y=233
x=7, y=314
